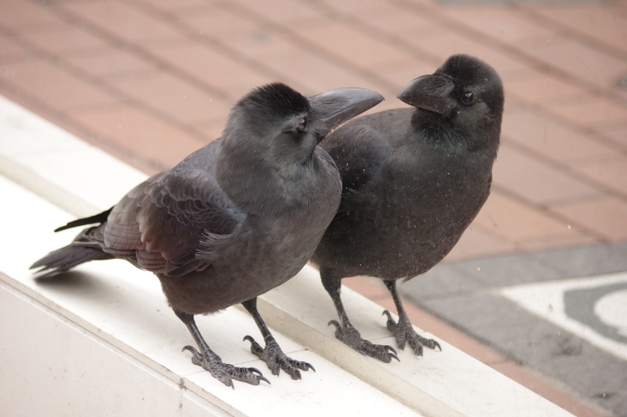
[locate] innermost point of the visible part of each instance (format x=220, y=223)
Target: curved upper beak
x=430, y=92
x=334, y=107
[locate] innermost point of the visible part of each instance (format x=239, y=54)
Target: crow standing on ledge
x=234, y=219
x=413, y=180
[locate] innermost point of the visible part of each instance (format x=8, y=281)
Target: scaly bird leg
x=211, y=362
x=345, y=331
x=272, y=353
x=403, y=330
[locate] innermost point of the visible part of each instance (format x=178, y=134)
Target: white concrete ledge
x=102, y=340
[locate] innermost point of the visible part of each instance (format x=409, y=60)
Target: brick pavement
x=151, y=80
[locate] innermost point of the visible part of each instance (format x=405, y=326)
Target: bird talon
x=191, y=349
x=276, y=360
x=390, y=348
x=335, y=323
x=263, y=378
x=255, y=371
x=255, y=347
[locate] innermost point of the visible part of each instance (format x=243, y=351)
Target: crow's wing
x=163, y=223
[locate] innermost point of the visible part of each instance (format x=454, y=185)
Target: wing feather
x=163, y=223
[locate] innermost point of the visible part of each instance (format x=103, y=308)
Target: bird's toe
x=404, y=333
x=277, y=360
x=352, y=338
x=224, y=373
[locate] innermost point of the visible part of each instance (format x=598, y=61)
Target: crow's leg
x=272, y=353
x=345, y=331
x=403, y=330
x=206, y=358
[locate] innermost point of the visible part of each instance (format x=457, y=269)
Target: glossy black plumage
x=413, y=180
x=234, y=219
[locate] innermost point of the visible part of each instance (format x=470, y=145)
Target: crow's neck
x=443, y=133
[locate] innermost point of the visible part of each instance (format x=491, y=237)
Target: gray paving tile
x=506, y=270
x=531, y=341
x=538, y=344
x=587, y=260
x=439, y=281
x=600, y=376
x=477, y=312
x=460, y=293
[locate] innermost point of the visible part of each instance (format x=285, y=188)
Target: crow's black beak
x=429, y=92
x=334, y=107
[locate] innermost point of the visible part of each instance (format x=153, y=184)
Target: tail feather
x=66, y=258
x=98, y=218
x=85, y=247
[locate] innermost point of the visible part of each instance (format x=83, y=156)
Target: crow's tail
x=98, y=218
x=81, y=250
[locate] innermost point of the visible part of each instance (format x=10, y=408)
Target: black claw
x=263, y=378
x=404, y=332
x=351, y=337
x=259, y=376
x=191, y=349
x=388, y=347
x=225, y=373
x=335, y=323
x=255, y=371
x=276, y=360
x=255, y=347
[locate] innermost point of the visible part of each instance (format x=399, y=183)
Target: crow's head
x=463, y=100
x=283, y=127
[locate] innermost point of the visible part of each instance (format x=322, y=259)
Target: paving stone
x=443, y=279
x=538, y=344
x=477, y=312
x=586, y=261
x=507, y=270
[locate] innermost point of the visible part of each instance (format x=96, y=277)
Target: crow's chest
x=435, y=198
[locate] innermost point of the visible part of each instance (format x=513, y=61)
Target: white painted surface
x=612, y=310
x=546, y=300
x=107, y=324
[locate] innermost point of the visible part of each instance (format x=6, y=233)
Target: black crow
x=234, y=219
x=413, y=180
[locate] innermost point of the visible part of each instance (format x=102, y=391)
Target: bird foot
x=223, y=372
x=276, y=360
x=351, y=337
x=405, y=333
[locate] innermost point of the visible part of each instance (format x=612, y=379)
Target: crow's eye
x=302, y=125
x=468, y=98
